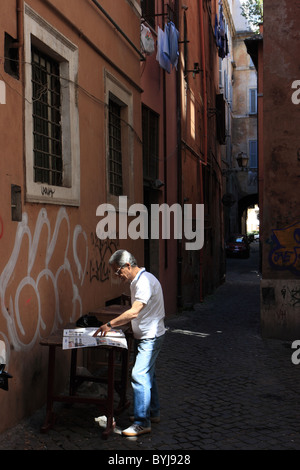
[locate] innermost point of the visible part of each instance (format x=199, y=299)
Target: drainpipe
x=19, y=9
x=179, y=169
x=20, y=40
x=165, y=136
x=201, y=163
x=201, y=251
x=203, y=66
x=97, y=4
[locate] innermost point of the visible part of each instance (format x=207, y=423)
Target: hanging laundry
x=147, y=41
x=172, y=43
x=220, y=34
x=221, y=22
x=226, y=45
x=161, y=56
x=217, y=30
x=167, y=47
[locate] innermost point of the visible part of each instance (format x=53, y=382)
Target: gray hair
x=121, y=257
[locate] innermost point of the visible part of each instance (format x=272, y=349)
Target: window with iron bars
x=47, y=133
x=115, y=149
x=148, y=11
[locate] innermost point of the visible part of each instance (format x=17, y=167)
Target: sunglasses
x=118, y=271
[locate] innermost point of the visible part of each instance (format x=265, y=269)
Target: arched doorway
x=243, y=205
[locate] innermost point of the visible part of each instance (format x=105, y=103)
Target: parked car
x=238, y=245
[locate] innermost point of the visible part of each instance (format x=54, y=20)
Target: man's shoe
x=135, y=430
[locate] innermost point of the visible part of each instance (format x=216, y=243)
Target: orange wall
x=52, y=266
x=152, y=83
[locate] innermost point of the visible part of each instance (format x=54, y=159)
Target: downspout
x=179, y=171
x=91, y=44
x=201, y=250
x=203, y=67
x=165, y=155
x=97, y=4
x=19, y=9
x=165, y=136
x=20, y=40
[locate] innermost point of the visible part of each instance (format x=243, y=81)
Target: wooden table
x=106, y=405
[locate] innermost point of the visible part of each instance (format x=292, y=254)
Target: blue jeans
x=143, y=380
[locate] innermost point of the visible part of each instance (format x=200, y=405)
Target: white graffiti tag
x=60, y=239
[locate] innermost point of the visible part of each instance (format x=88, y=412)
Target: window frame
x=115, y=157
x=252, y=110
x=253, y=155
x=42, y=35
x=116, y=90
x=148, y=11
x=47, y=128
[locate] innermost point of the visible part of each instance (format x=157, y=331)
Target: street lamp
x=242, y=160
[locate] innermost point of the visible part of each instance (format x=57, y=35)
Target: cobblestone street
x=222, y=386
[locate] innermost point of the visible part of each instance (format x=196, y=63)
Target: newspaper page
x=83, y=338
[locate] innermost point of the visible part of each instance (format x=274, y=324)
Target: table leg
x=50, y=415
x=110, y=394
x=122, y=388
x=72, y=389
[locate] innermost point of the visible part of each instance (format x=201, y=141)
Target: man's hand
x=122, y=319
x=102, y=330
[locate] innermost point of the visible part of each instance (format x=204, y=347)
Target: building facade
x=280, y=284
x=244, y=112
x=278, y=123
x=182, y=100
x=238, y=81
x=96, y=129
x=201, y=111
x=71, y=136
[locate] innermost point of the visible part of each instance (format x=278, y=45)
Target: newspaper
x=83, y=338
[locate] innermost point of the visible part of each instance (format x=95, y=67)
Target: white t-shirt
x=150, y=321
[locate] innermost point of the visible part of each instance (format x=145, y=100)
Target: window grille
x=46, y=99
x=115, y=149
x=148, y=11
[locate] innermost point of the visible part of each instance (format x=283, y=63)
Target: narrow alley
x=222, y=386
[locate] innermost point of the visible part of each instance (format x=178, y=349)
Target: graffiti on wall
x=102, y=250
x=291, y=296
x=48, y=256
x=285, y=251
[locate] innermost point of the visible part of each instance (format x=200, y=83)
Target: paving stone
x=222, y=386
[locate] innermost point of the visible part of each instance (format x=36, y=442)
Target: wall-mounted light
x=195, y=70
x=157, y=184
x=242, y=161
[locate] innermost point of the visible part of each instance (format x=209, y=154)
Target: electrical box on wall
x=16, y=203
